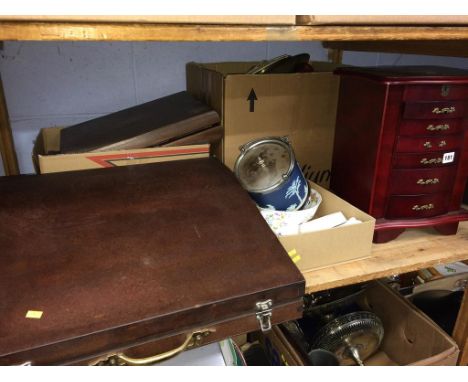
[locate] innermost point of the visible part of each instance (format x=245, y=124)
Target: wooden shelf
x=409, y=252
x=413, y=250
x=102, y=31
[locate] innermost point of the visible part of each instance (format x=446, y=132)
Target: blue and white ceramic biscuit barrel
x=268, y=170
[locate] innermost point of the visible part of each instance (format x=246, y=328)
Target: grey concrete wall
x=60, y=84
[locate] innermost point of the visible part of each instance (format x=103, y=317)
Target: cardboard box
x=331, y=246
x=162, y=19
x=411, y=337
x=47, y=145
x=381, y=20
x=277, y=348
x=301, y=106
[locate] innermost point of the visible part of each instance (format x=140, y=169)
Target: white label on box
x=448, y=157
x=452, y=268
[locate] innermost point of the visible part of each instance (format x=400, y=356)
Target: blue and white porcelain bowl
x=268, y=170
x=285, y=223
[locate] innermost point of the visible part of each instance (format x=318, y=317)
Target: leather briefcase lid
x=112, y=256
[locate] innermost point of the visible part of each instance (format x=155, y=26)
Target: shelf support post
x=7, y=146
x=335, y=55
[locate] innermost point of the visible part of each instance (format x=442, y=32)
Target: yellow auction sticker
x=35, y=314
x=294, y=256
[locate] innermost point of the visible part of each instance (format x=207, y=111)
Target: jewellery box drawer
x=428, y=144
x=418, y=206
x=440, y=92
x=426, y=160
x=422, y=181
x=436, y=110
x=431, y=127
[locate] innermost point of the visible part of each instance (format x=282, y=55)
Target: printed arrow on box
x=252, y=98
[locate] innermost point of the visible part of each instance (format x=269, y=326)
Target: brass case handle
x=438, y=127
x=428, y=181
x=444, y=110
x=192, y=340
x=429, y=206
x=431, y=161
x=442, y=143
x=427, y=145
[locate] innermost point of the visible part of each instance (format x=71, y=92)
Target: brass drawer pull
x=444, y=110
x=442, y=143
x=121, y=359
x=428, y=181
x=431, y=161
x=438, y=127
x=429, y=206
x=427, y=145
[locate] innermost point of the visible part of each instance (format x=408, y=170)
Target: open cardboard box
x=410, y=337
x=331, y=246
x=301, y=106
x=47, y=145
x=279, y=351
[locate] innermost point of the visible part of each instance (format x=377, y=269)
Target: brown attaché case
x=103, y=265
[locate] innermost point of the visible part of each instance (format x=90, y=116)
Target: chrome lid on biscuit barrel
x=264, y=164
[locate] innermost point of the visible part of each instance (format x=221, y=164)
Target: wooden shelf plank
x=102, y=31
x=414, y=249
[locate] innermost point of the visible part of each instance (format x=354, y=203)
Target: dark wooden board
x=146, y=125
